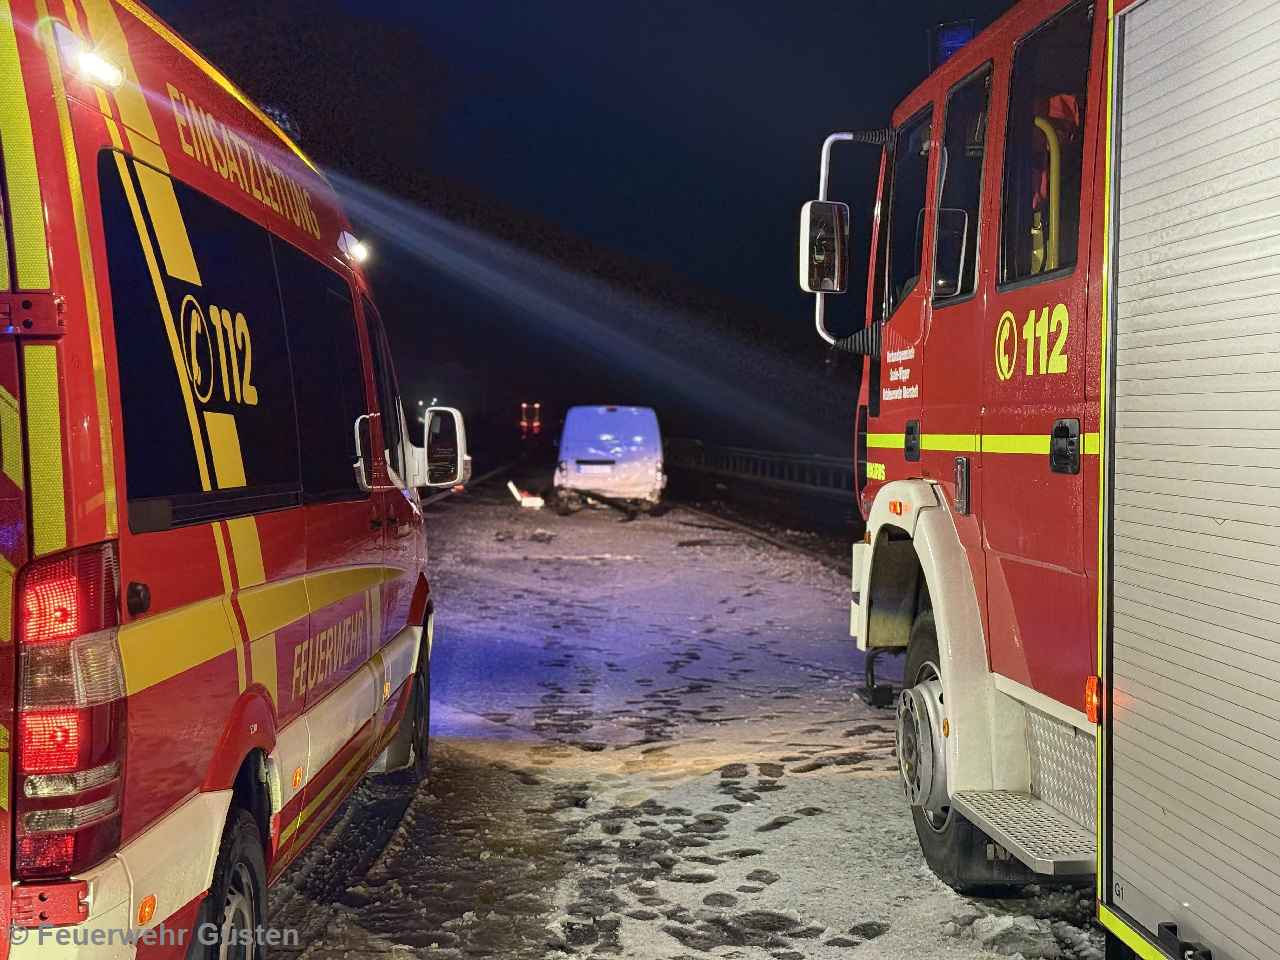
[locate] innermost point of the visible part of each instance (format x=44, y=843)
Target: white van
x=612, y=453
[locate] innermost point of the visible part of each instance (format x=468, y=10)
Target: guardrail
x=831, y=477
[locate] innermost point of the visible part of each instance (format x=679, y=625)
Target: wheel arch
x=916, y=558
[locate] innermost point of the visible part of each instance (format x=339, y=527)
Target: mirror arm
x=881, y=138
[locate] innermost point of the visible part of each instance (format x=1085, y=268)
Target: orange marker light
x=386, y=690
x=297, y=778
x=895, y=507
x=146, y=909
x=1092, y=698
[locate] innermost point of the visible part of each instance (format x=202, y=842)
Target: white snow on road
x=646, y=744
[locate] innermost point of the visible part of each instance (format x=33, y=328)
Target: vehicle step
x=1031, y=830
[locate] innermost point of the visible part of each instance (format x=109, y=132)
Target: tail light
x=71, y=712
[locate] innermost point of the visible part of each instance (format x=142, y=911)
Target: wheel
x=420, y=704
x=954, y=848
x=235, y=907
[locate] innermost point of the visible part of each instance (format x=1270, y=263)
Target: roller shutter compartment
x=1194, y=422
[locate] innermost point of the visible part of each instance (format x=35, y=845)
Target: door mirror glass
x=824, y=247
x=443, y=460
x=950, y=243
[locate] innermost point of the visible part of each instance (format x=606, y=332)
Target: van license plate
x=595, y=468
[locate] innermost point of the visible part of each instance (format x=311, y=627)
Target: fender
x=979, y=716
x=252, y=724
x=420, y=604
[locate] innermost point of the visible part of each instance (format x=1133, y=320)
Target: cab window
x=964, y=144
x=328, y=375
x=1044, y=147
x=907, y=200
x=388, y=396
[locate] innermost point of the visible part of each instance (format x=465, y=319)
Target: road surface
x=645, y=744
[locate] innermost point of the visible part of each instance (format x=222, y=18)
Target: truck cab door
x=953, y=350
x=893, y=435
x=1037, y=454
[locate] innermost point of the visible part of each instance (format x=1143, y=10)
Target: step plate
x=1031, y=830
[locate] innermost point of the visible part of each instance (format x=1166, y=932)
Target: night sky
x=666, y=142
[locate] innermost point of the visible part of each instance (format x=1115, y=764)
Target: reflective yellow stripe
x=1036, y=443
x=886, y=441
x=93, y=316
x=26, y=209
x=220, y=541
x=162, y=299
x=955, y=442
x=157, y=648
x=171, y=230
x=6, y=598
x=1031, y=443
x=44, y=446
x=10, y=438
x=269, y=607
x=262, y=653
x=330, y=586
x=1104, y=915
x=1134, y=941
x=224, y=444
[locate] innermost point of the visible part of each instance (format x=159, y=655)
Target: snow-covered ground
x=645, y=744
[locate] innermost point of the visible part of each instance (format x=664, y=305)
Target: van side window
x=1044, y=147
x=388, y=397
x=328, y=375
x=964, y=144
x=906, y=217
x=206, y=390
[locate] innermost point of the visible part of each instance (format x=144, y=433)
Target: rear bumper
x=98, y=938
x=172, y=861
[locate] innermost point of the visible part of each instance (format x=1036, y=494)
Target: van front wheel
x=420, y=703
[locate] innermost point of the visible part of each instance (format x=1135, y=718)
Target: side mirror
x=951, y=245
x=824, y=247
x=443, y=461
x=361, y=466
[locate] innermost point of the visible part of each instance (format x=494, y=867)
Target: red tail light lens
x=50, y=741
x=47, y=855
x=68, y=595
x=71, y=713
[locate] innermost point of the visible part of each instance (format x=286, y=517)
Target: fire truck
x=210, y=535
x=1067, y=441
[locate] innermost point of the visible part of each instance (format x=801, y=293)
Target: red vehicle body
x=217, y=620
x=1067, y=443
x=984, y=335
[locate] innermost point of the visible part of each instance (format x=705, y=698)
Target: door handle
x=1064, y=447
x=375, y=523
x=911, y=442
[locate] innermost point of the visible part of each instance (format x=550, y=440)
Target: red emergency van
x=1067, y=443
x=210, y=535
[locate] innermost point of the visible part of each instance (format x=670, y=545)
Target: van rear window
x=207, y=379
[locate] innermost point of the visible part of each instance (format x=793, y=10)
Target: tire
x=953, y=847
x=420, y=703
x=238, y=894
